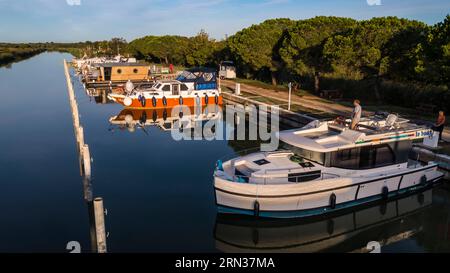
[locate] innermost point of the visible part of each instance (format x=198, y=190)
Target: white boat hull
x=315, y=197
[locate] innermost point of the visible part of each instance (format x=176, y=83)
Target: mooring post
x=237, y=90
x=86, y=161
x=100, y=225
x=80, y=138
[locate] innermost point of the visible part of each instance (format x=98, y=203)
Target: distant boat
x=195, y=87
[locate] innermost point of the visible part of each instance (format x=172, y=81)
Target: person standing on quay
x=439, y=126
x=356, y=114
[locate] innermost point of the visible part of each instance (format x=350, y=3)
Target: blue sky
x=62, y=21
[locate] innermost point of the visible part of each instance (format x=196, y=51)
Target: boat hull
x=300, y=200
x=170, y=102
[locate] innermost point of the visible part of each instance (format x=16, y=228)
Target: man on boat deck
x=356, y=114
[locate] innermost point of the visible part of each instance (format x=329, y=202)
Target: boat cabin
x=227, y=70
x=322, y=149
x=121, y=72
x=376, y=143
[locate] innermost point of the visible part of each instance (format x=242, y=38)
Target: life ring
x=206, y=99
x=333, y=201
x=180, y=100
x=164, y=100
x=154, y=101
x=216, y=99
x=127, y=101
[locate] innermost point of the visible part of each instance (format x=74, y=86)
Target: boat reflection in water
x=182, y=118
x=386, y=223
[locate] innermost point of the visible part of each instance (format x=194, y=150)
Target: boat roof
x=111, y=64
x=332, y=136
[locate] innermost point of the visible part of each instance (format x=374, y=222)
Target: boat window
x=166, y=87
x=306, y=154
x=304, y=177
x=135, y=71
x=184, y=87
x=119, y=71
x=158, y=86
x=261, y=162
x=365, y=157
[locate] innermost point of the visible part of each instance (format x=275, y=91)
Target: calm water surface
x=157, y=191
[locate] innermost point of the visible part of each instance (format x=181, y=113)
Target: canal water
x=157, y=191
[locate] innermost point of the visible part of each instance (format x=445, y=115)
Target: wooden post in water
x=99, y=214
x=85, y=169
x=86, y=161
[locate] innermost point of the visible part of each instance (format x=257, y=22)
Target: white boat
x=325, y=167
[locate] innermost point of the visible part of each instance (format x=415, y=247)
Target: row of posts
x=85, y=169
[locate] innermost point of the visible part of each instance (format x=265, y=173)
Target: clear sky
x=80, y=20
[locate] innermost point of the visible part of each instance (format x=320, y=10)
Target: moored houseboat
x=325, y=167
x=195, y=87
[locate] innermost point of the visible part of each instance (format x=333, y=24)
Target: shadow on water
x=408, y=224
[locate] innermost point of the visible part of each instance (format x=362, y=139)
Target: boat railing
x=283, y=178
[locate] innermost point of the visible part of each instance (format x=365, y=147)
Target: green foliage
x=256, y=48
x=303, y=43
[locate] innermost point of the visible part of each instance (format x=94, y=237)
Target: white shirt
x=356, y=115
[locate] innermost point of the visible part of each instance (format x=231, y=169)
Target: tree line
x=383, y=59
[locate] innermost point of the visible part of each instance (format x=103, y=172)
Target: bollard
x=237, y=90
x=100, y=232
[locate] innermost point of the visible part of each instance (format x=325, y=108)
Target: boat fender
x=143, y=101
x=206, y=99
x=256, y=208
x=333, y=201
x=385, y=192
x=181, y=114
x=216, y=99
x=197, y=100
x=165, y=115
x=164, y=100
x=143, y=118
x=423, y=180
x=154, y=101
x=255, y=236
x=330, y=227
x=219, y=165
x=421, y=198
x=180, y=100
x=154, y=116
x=383, y=208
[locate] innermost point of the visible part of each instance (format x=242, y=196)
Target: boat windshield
x=305, y=154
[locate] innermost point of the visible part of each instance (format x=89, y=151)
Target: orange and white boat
x=196, y=87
